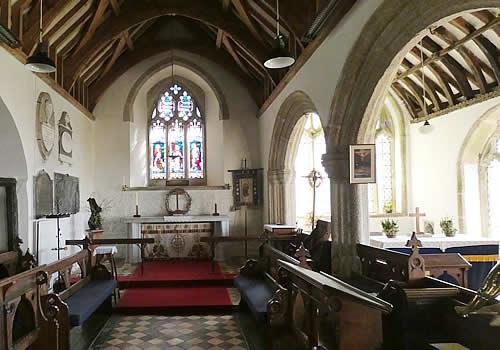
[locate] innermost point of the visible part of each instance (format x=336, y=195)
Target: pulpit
x=177, y=236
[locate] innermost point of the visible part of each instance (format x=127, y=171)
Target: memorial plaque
x=44, y=194
x=65, y=139
x=67, y=194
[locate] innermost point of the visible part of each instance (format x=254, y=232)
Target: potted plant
x=390, y=228
x=388, y=207
x=447, y=227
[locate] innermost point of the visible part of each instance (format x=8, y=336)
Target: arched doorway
x=13, y=166
x=396, y=27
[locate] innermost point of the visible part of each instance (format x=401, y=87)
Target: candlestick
x=137, y=215
x=215, y=213
x=136, y=199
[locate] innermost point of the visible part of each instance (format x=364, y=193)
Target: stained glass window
x=176, y=137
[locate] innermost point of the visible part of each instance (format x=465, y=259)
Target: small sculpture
x=489, y=291
x=95, y=220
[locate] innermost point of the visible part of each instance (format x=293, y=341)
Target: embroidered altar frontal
x=177, y=240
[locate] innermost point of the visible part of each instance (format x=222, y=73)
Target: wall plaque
x=44, y=194
x=65, y=138
x=46, y=124
x=66, y=193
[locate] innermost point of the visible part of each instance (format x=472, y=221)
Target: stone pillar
x=345, y=211
x=277, y=181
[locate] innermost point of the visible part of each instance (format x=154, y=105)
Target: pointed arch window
x=177, y=139
x=490, y=167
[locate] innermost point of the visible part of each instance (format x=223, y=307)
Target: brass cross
x=417, y=216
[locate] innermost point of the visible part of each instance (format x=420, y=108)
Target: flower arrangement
x=390, y=228
x=388, y=207
x=447, y=227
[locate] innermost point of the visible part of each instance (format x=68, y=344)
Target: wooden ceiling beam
x=243, y=11
x=489, y=50
x=403, y=95
x=115, y=5
x=5, y=12
x=30, y=38
x=234, y=55
x=120, y=46
x=486, y=17
x=135, y=12
x=96, y=21
x=148, y=49
x=298, y=15
x=474, y=63
x=440, y=53
x=61, y=23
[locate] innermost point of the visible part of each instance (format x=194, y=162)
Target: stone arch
x=468, y=167
x=183, y=62
x=392, y=30
x=14, y=166
x=285, y=133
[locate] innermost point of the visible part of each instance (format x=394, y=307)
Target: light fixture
x=279, y=58
x=425, y=128
x=40, y=62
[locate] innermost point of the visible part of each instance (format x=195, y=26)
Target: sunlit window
x=312, y=186
x=176, y=137
x=493, y=185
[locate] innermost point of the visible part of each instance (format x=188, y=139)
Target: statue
x=95, y=220
x=489, y=291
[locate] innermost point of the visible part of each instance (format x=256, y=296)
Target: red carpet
x=177, y=271
x=158, y=298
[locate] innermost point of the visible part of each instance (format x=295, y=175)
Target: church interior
x=249, y=174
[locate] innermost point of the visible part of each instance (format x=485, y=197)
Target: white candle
x=137, y=198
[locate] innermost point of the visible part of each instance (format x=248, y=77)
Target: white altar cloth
x=436, y=241
x=221, y=228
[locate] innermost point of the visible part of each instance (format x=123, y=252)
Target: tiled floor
x=173, y=333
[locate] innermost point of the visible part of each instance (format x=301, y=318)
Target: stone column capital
x=336, y=163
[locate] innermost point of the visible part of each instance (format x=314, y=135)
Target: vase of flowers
x=447, y=227
x=390, y=228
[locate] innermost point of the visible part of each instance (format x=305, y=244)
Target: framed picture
x=362, y=164
x=247, y=188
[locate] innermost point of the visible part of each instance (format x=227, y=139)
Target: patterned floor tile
x=176, y=332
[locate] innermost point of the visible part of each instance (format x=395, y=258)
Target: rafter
x=30, y=38
x=135, y=12
x=120, y=46
x=5, y=9
x=115, y=5
x=244, y=13
x=96, y=21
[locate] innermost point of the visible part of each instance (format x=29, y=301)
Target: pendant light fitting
x=40, y=62
x=280, y=57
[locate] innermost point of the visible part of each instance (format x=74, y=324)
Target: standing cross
x=417, y=216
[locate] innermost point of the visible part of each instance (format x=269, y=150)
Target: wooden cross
x=417, y=216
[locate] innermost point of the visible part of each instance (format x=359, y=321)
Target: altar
x=177, y=236
x=435, y=241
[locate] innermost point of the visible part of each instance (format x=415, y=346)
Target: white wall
x=433, y=171
x=122, y=145
x=19, y=90
x=318, y=77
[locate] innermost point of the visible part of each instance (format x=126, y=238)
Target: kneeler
x=482, y=258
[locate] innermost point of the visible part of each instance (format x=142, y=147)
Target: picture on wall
x=362, y=164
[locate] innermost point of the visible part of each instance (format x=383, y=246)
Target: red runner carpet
x=170, y=286
x=177, y=271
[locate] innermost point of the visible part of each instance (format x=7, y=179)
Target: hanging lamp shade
x=40, y=62
x=279, y=58
x=426, y=128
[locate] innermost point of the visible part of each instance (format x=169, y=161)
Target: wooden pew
x=384, y=265
x=260, y=291
x=353, y=317
x=24, y=312
x=424, y=307
x=76, y=299
x=14, y=262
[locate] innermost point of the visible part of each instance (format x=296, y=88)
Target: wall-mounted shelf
x=168, y=188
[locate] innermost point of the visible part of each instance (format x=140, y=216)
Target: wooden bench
x=384, y=265
x=77, y=299
x=261, y=292
x=423, y=307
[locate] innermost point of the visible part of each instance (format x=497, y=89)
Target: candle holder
x=137, y=215
x=215, y=212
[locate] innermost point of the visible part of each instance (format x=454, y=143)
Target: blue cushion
x=421, y=250
x=88, y=299
x=256, y=293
